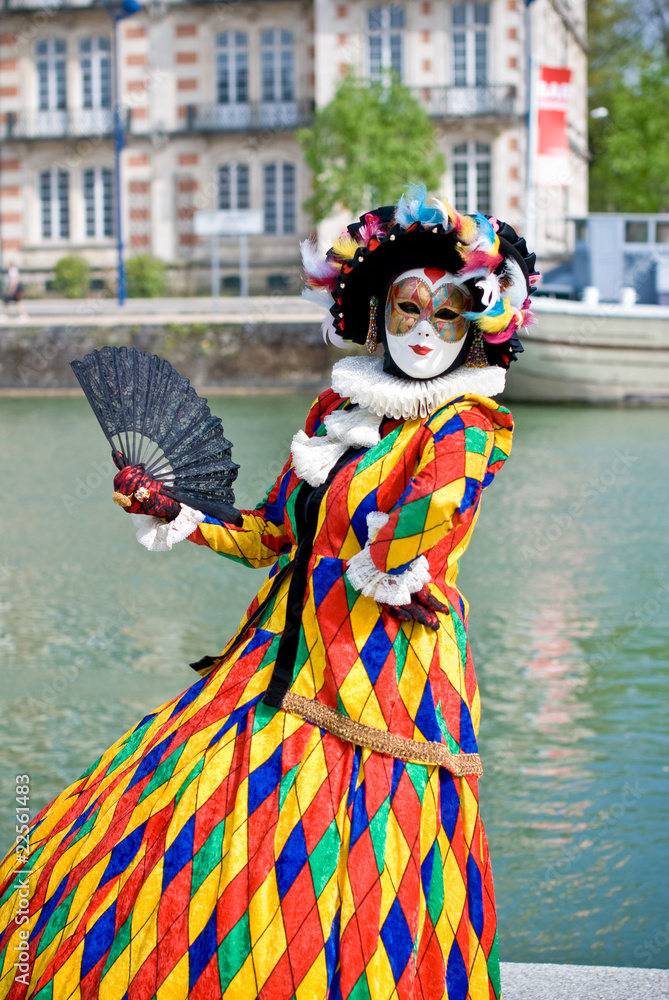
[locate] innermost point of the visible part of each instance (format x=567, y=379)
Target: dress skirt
x=244, y=854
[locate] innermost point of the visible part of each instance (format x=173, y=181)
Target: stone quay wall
x=214, y=355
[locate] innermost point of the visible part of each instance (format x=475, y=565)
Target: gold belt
x=416, y=751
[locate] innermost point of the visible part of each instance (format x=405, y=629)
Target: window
x=98, y=202
x=581, y=230
x=54, y=189
x=51, y=86
x=233, y=186
x=472, y=177
x=385, y=26
x=470, y=25
x=232, y=68
x=279, y=198
x=277, y=65
x=95, y=60
x=636, y=232
x=662, y=232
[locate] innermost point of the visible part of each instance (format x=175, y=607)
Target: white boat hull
x=593, y=354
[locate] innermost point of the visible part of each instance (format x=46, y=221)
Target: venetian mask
x=424, y=323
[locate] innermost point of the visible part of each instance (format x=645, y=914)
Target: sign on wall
x=229, y=222
x=553, y=139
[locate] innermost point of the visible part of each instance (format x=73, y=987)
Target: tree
x=629, y=76
x=366, y=144
x=630, y=172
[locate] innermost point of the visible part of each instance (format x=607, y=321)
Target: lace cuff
x=156, y=536
x=386, y=588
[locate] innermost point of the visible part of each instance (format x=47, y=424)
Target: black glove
x=422, y=608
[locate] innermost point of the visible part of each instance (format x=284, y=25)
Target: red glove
x=138, y=493
x=422, y=609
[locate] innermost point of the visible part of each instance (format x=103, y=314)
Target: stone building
x=212, y=93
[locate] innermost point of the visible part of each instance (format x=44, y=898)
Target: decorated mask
x=425, y=328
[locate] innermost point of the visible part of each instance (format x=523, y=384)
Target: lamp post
x=531, y=129
x=119, y=13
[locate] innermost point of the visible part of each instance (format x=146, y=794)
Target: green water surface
x=568, y=580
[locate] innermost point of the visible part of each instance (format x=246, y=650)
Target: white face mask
x=424, y=325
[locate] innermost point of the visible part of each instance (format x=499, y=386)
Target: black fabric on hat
x=379, y=268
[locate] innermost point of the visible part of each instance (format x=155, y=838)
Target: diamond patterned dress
x=328, y=848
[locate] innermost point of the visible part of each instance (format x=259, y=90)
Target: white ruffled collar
x=363, y=381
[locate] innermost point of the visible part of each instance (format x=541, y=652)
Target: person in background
x=14, y=294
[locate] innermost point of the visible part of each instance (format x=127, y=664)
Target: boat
x=584, y=353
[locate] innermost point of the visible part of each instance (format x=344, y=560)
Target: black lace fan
x=153, y=417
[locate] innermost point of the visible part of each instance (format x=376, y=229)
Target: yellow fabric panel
x=244, y=984
x=246, y=542
x=145, y=908
x=478, y=972
x=476, y=464
x=469, y=807
x=115, y=982
x=311, y=985
x=455, y=892
x=66, y=979
x=176, y=984
x=270, y=946
x=380, y=973
x=235, y=842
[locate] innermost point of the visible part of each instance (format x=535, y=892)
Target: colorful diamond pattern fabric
x=224, y=848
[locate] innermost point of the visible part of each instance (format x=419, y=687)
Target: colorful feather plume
x=478, y=245
x=345, y=247
x=371, y=227
x=414, y=206
x=320, y=271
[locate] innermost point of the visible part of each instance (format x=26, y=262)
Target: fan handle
x=214, y=508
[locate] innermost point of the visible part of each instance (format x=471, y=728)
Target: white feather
x=314, y=260
x=330, y=335
x=319, y=296
x=514, y=282
x=439, y=205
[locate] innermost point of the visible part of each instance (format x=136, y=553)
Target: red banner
x=553, y=140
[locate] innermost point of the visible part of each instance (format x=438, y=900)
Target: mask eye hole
x=408, y=308
x=445, y=314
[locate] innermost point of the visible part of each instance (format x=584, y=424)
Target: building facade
x=212, y=94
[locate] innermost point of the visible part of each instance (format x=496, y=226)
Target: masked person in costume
x=303, y=821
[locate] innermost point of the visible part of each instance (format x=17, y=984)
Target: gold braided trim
x=417, y=751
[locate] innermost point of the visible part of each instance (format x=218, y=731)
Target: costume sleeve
x=263, y=535
x=459, y=458
x=260, y=539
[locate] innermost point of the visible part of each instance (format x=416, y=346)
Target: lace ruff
x=363, y=381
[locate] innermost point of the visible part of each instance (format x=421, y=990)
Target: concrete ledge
x=582, y=982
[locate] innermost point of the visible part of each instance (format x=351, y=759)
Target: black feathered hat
x=482, y=253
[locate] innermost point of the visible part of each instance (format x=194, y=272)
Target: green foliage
x=630, y=171
x=145, y=276
x=72, y=276
x=366, y=144
x=629, y=76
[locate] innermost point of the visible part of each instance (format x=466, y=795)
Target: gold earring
x=476, y=356
x=372, y=330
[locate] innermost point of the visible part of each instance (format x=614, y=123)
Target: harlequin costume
x=303, y=821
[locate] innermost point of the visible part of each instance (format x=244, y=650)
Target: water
x=568, y=628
